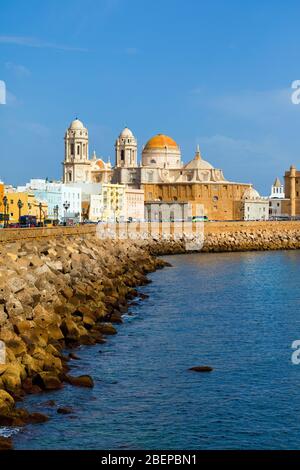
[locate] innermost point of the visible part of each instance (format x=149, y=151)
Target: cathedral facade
x=161, y=172
x=164, y=177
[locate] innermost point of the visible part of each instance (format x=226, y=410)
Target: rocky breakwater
x=252, y=240
x=56, y=294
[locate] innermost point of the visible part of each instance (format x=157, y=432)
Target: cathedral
x=162, y=174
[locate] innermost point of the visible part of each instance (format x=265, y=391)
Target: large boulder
x=7, y=403
x=13, y=375
x=70, y=330
x=81, y=381
x=47, y=381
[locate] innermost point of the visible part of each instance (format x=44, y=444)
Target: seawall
x=218, y=236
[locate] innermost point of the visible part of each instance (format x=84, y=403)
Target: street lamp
x=66, y=205
x=55, y=211
x=41, y=209
x=20, y=205
x=5, y=203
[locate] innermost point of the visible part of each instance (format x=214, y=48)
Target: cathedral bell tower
x=76, y=166
x=126, y=149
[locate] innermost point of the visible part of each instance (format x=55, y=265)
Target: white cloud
x=246, y=160
x=38, y=43
x=17, y=69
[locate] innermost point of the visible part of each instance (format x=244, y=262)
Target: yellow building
x=110, y=205
x=197, y=182
x=28, y=206
x=1, y=203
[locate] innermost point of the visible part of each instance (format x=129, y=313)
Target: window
x=215, y=198
x=78, y=149
x=122, y=155
x=72, y=149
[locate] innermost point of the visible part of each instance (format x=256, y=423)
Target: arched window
x=122, y=155
x=70, y=176
x=78, y=149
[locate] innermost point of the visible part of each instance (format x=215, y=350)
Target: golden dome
x=100, y=164
x=161, y=141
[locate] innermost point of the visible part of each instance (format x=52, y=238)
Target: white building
x=58, y=196
x=277, y=190
x=277, y=200
x=255, y=206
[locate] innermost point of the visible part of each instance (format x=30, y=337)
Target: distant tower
x=76, y=164
x=293, y=190
x=277, y=190
x=126, y=149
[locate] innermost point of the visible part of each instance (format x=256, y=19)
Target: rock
x=3, y=315
x=47, y=381
x=116, y=317
x=107, y=329
x=29, y=388
x=64, y=410
x=20, y=417
x=14, y=307
x=201, y=368
x=17, y=346
x=143, y=296
x=55, y=265
x=6, y=443
x=36, y=418
x=70, y=329
x=12, y=376
x=49, y=403
x=15, y=284
x=81, y=381
x=7, y=403
x=74, y=356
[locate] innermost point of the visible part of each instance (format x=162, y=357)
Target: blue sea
x=236, y=312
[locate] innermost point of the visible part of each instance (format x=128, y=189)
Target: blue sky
x=217, y=73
